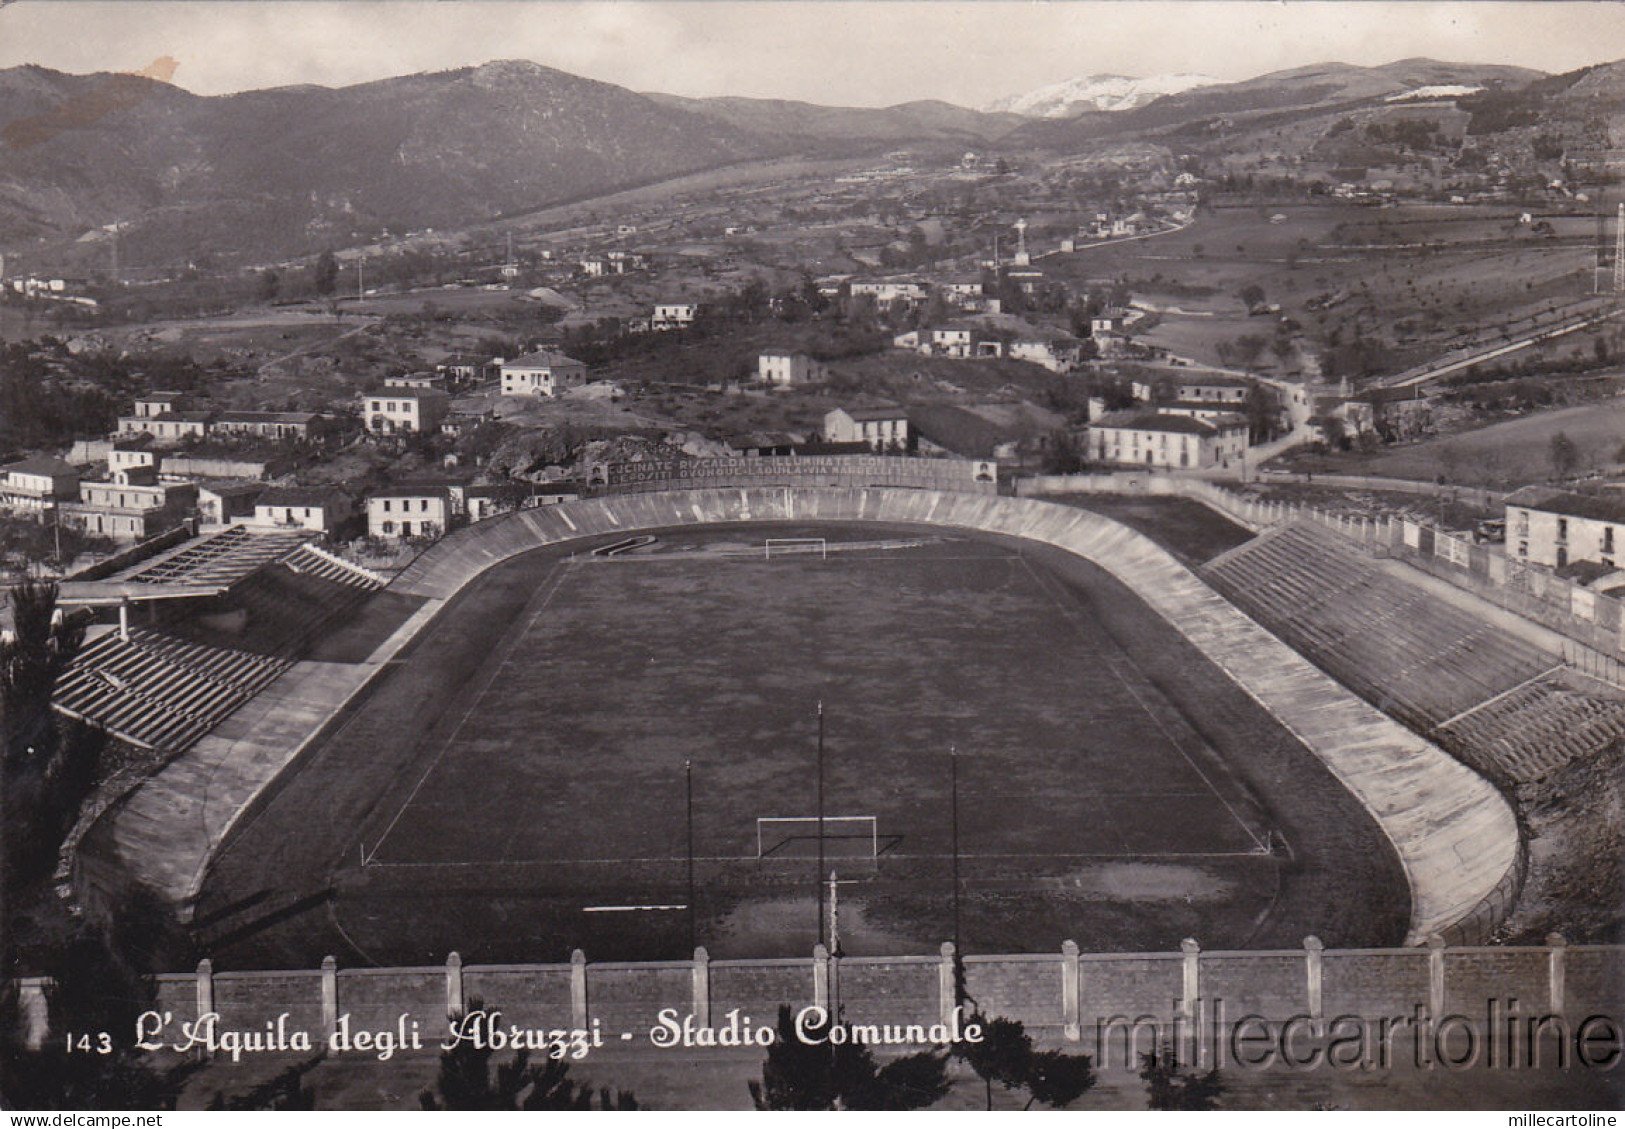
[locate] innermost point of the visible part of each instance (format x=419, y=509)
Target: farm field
x=1515, y=452
x=1421, y=276
x=1113, y=787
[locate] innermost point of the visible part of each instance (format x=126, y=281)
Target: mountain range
x=290, y=170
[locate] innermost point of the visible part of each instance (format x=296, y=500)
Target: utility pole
x=818, y=875
x=688, y=792
x=953, y=792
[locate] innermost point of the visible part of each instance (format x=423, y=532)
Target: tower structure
x=1022, y=257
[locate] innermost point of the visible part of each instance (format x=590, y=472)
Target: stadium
x=612, y=726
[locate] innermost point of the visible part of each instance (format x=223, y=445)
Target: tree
x=1252, y=295
x=94, y=989
x=325, y=275
x=816, y=1074
x=270, y=285
x=1168, y=1089
x=1564, y=454
x=44, y=774
x=1006, y=1055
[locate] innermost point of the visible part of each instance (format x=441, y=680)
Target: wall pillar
x=1070, y=993
x=205, y=986
x=700, y=1001
x=454, y=985
x=124, y=620
x=578, y=990
x=947, y=996
x=1190, y=990
x=1556, y=989
x=1312, y=951
x=330, y=995
x=36, y=1013
x=821, y=976
x=1436, y=976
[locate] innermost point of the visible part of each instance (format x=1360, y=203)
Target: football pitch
x=577, y=734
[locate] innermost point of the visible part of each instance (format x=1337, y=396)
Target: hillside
x=843, y=128
x=283, y=170
x=1300, y=92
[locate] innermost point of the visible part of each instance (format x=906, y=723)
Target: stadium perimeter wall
x=1099, y=1001
x=1455, y=835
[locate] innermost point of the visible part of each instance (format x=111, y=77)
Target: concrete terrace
x=1455, y=835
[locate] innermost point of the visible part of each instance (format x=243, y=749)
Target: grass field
x=522, y=769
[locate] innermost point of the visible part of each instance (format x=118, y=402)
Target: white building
x=881, y=428
x=543, y=373
x=1166, y=442
x=37, y=484
x=673, y=315
x=301, y=508
x=404, y=411
x=1554, y=528
x=784, y=368
x=410, y=511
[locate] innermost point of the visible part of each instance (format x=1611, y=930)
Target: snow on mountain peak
x=1109, y=92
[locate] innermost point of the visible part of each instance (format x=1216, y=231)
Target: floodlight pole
x=818, y=875
x=688, y=805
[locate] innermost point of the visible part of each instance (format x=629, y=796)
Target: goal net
x=796, y=836
x=780, y=546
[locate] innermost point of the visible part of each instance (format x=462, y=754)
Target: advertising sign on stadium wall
x=963, y=475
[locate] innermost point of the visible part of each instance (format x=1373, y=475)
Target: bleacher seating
x=1538, y=727
x=1420, y=659
x=160, y=692
x=1494, y=699
x=308, y=560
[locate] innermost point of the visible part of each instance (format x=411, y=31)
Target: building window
x=1562, y=529
x=389, y=528
x=1608, y=539
x=386, y=505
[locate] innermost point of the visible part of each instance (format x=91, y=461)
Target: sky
x=834, y=52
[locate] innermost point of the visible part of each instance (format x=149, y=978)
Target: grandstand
x=160, y=692
x=1493, y=698
x=224, y=615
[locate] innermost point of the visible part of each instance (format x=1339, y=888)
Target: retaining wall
x=1455, y=835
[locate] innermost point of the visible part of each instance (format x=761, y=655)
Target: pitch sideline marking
x=1112, y=662
x=554, y=581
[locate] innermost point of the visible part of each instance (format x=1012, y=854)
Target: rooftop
x=1154, y=421
x=542, y=358
x=41, y=465
x=1598, y=507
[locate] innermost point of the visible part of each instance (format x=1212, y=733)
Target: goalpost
x=795, y=545
x=796, y=836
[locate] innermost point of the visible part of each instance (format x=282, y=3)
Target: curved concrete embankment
x=1455, y=835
